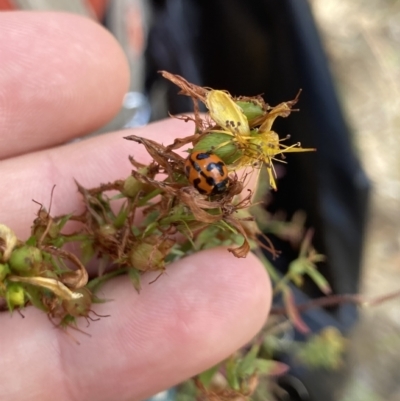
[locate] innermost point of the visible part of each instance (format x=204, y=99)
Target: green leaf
x=206, y=376
x=121, y=216
x=58, y=242
x=231, y=374
x=319, y=279
x=151, y=227
x=61, y=223
x=149, y=196
x=134, y=276
x=87, y=251
x=150, y=218
x=117, y=196
x=32, y=241
x=36, y=295
x=94, y=284
x=269, y=367
x=246, y=365
x=136, y=231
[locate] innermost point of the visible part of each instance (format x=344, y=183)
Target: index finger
x=61, y=76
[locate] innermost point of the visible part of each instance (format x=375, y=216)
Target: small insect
x=206, y=172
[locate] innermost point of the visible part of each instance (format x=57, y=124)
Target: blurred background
x=362, y=41
x=345, y=55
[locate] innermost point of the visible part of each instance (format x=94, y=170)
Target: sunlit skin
x=62, y=76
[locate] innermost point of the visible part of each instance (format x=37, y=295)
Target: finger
x=91, y=162
x=61, y=76
x=204, y=308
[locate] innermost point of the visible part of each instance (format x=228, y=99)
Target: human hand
x=62, y=76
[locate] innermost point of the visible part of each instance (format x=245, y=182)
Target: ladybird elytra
x=206, y=172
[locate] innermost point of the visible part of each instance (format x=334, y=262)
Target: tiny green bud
x=25, y=259
x=107, y=230
x=131, y=187
x=15, y=296
x=106, y=234
x=146, y=257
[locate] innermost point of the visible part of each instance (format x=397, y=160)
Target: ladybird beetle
x=206, y=172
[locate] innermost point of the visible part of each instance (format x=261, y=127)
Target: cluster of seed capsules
x=237, y=135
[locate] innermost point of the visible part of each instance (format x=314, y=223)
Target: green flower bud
x=15, y=296
x=221, y=145
x=26, y=260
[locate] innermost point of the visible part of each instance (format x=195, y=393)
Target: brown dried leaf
x=244, y=249
x=282, y=110
x=74, y=279
x=179, y=142
x=167, y=187
x=191, y=198
x=160, y=153
x=188, y=89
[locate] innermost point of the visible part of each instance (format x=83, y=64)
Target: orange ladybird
x=206, y=172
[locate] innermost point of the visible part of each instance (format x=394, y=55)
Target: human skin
x=63, y=76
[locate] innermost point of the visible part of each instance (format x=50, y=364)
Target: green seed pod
x=251, y=109
x=106, y=234
x=26, y=260
x=221, y=145
x=79, y=306
x=4, y=271
x=132, y=186
x=107, y=230
x=146, y=257
x=15, y=296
